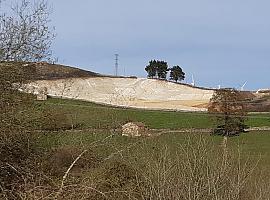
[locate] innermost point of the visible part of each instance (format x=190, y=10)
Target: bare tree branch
x=25, y=34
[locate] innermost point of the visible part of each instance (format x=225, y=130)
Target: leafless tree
x=25, y=32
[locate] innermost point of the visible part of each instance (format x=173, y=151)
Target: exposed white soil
x=128, y=92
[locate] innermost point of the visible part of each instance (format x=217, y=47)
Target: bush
x=59, y=160
x=52, y=120
x=228, y=106
x=18, y=161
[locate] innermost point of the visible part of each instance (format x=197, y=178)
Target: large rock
x=134, y=129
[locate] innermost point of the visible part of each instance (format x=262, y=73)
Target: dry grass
x=195, y=169
x=201, y=171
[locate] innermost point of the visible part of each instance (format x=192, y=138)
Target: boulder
x=134, y=129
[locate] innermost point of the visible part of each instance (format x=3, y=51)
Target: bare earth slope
x=70, y=82
x=128, y=92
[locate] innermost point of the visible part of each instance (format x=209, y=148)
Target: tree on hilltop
x=157, y=68
x=151, y=69
x=176, y=73
x=162, y=69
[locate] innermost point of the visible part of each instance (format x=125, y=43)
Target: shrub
x=229, y=109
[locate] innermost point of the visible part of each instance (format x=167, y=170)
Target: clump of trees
x=228, y=108
x=159, y=69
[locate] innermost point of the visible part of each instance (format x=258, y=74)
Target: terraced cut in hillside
x=128, y=92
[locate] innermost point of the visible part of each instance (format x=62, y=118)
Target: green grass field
x=104, y=118
x=91, y=115
x=160, y=166
x=251, y=143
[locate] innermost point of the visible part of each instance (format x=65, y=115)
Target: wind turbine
x=242, y=87
x=193, y=81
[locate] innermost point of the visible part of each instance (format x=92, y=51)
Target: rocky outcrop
x=134, y=129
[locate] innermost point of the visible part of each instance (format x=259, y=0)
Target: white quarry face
x=128, y=92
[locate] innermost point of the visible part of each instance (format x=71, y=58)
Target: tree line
x=159, y=69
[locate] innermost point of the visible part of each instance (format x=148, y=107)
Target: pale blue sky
x=224, y=42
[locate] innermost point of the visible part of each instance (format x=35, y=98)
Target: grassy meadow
x=92, y=160
x=98, y=122
x=91, y=115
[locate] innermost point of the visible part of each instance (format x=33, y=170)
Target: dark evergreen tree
x=151, y=69
x=157, y=68
x=162, y=69
x=177, y=73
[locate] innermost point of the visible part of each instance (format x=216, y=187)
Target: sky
x=224, y=42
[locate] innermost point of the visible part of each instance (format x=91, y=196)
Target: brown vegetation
x=229, y=108
x=48, y=71
x=198, y=170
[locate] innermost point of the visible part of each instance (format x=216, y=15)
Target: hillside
x=47, y=71
x=70, y=82
x=260, y=103
x=128, y=92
